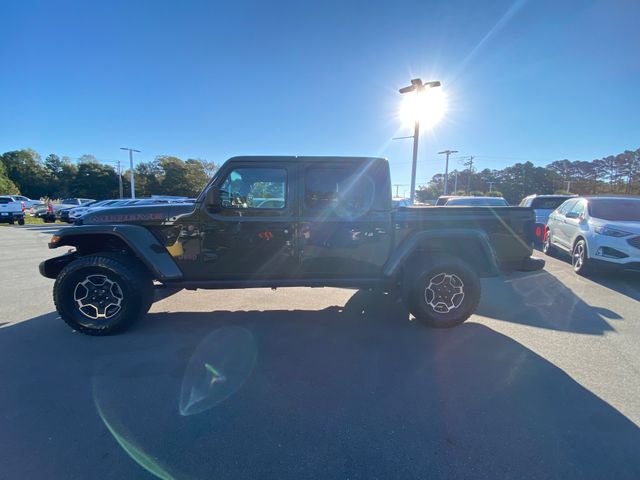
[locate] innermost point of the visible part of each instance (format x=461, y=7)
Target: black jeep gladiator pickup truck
x=285, y=222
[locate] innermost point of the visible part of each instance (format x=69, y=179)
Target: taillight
x=538, y=231
x=23, y=207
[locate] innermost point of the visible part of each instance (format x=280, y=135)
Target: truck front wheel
x=443, y=293
x=102, y=294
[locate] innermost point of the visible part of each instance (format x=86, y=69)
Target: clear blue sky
x=538, y=80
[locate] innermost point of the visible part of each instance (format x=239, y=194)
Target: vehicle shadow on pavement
x=345, y=392
x=626, y=283
x=541, y=300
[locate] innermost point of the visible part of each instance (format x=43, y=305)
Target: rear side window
x=547, y=203
x=5, y=200
x=343, y=191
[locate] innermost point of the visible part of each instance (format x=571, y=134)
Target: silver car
x=598, y=233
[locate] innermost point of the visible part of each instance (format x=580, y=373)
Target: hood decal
x=126, y=217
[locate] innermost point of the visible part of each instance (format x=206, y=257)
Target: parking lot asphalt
x=297, y=383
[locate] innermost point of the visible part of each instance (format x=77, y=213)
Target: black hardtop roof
x=294, y=158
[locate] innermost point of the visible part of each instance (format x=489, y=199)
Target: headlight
x=611, y=232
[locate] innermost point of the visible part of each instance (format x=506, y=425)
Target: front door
x=252, y=234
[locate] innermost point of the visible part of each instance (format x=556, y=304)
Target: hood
x=136, y=214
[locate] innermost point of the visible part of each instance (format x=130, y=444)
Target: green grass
x=30, y=221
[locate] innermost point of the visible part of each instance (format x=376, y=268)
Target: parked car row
x=50, y=211
x=598, y=232
x=70, y=215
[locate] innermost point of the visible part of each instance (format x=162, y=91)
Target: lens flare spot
x=233, y=352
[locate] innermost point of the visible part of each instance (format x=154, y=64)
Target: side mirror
x=213, y=199
x=572, y=215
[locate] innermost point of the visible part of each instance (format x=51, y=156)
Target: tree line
x=617, y=174
x=24, y=172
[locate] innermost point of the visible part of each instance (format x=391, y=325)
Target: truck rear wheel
x=443, y=293
x=102, y=294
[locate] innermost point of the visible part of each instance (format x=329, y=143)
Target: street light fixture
x=131, y=150
x=418, y=87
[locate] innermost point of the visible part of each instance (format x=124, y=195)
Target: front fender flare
x=140, y=240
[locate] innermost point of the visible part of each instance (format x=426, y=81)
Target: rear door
x=252, y=235
x=557, y=226
x=345, y=223
x=572, y=222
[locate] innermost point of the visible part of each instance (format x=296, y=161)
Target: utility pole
x=446, y=168
x=120, y=179
x=568, y=186
x=469, y=163
x=416, y=86
x=131, y=150
x=491, y=186
x=455, y=186
x=397, y=185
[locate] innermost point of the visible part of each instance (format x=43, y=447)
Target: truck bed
x=509, y=230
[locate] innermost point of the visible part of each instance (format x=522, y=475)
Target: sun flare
x=429, y=106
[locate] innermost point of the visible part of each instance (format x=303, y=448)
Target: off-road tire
x=21, y=221
x=133, y=292
x=443, y=292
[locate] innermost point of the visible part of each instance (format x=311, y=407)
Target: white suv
x=597, y=232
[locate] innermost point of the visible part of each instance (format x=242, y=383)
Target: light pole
x=446, y=168
x=120, y=179
x=131, y=150
x=416, y=86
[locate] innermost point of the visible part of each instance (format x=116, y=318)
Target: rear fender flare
x=487, y=264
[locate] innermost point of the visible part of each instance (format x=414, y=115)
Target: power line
x=469, y=163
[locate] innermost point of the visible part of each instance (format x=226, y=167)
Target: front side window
x=564, y=208
x=254, y=188
x=343, y=191
x=578, y=208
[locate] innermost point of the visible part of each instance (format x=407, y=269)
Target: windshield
x=547, y=203
x=477, y=201
x=621, y=210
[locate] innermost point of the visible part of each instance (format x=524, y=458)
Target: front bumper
x=614, y=253
x=52, y=267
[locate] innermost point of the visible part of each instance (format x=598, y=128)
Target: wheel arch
x=132, y=240
x=470, y=246
x=577, y=239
